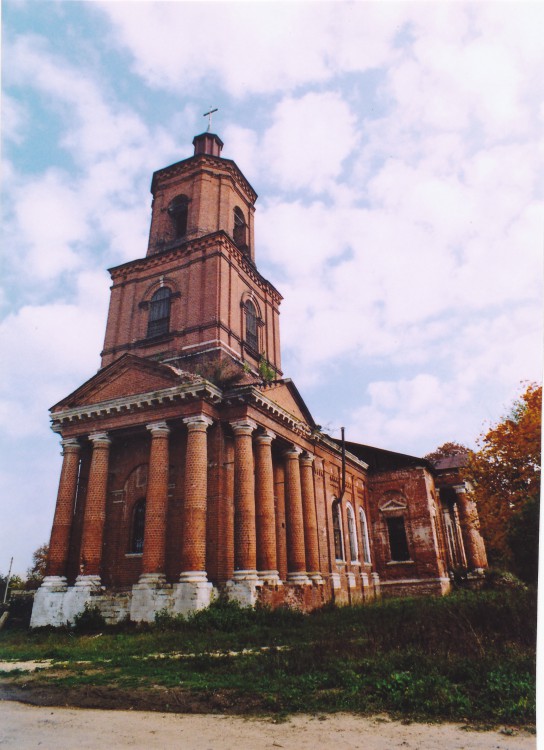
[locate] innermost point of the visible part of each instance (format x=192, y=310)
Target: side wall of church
x=405, y=499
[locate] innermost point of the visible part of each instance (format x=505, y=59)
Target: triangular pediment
x=285, y=394
x=127, y=376
x=393, y=504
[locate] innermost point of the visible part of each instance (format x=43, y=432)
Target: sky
x=398, y=156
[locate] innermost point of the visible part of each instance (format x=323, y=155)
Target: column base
x=298, y=578
x=54, y=583
x=351, y=579
x=316, y=578
x=91, y=582
x=270, y=577
x=243, y=587
x=149, y=596
x=193, y=592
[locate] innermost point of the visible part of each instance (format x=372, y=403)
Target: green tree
x=36, y=572
x=505, y=472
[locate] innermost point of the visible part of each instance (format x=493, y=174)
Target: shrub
x=90, y=620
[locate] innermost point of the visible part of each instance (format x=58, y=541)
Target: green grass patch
x=466, y=657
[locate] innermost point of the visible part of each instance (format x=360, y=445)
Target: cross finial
x=209, y=116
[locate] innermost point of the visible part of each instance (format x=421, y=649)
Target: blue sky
x=397, y=153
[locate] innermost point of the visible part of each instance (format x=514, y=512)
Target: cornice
x=221, y=243
x=197, y=163
x=250, y=394
x=199, y=389
x=332, y=445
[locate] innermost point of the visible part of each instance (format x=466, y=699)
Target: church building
x=192, y=467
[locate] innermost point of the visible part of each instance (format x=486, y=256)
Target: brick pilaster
x=59, y=544
x=311, y=541
x=193, y=556
x=94, y=516
x=156, y=502
x=264, y=501
x=296, y=553
x=245, y=552
x=468, y=517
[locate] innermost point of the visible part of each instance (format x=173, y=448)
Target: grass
x=466, y=657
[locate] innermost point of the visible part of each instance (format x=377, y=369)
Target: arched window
x=337, y=530
x=364, y=536
x=179, y=211
x=240, y=229
x=138, y=527
x=159, y=312
x=251, y=326
x=352, y=534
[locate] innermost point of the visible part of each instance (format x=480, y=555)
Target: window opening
x=159, y=312
x=352, y=533
x=398, y=543
x=138, y=527
x=364, y=536
x=240, y=229
x=179, y=211
x=337, y=531
x=251, y=326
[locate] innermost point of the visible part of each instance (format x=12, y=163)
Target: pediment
x=393, y=504
x=287, y=397
x=127, y=376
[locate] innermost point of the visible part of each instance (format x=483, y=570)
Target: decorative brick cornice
x=320, y=437
x=251, y=395
x=200, y=389
x=205, y=163
x=219, y=243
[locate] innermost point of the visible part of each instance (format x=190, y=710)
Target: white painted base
x=243, y=588
x=335, y=581
x=351, y=579
x=193, y=592
x=149, y=596
x=57, y=604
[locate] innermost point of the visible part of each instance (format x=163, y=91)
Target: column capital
x=293, y=452
x=158, y=428
x=265, y=437
x=243, y=426
x=70, y=444
x=100, y=438
x=198, y=422
x=460, y=489
x=307, y=458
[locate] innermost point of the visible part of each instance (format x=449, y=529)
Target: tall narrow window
x=159, y=312
x=364, y=536
x=352, y=533
x=138, y=527
x=251, y=326
x=398, y=543
x=337, y=530
x=240, y=229
x=179, y=211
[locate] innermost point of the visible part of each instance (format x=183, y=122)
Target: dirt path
x=24, y=727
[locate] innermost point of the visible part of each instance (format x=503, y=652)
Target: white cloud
x=253, y=48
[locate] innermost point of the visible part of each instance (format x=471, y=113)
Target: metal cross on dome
x=209, y=116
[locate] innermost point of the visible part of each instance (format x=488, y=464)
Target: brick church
x=192, y=467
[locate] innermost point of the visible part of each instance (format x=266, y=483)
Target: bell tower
x=197, y=299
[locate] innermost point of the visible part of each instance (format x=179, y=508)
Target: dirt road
x=24, y=727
